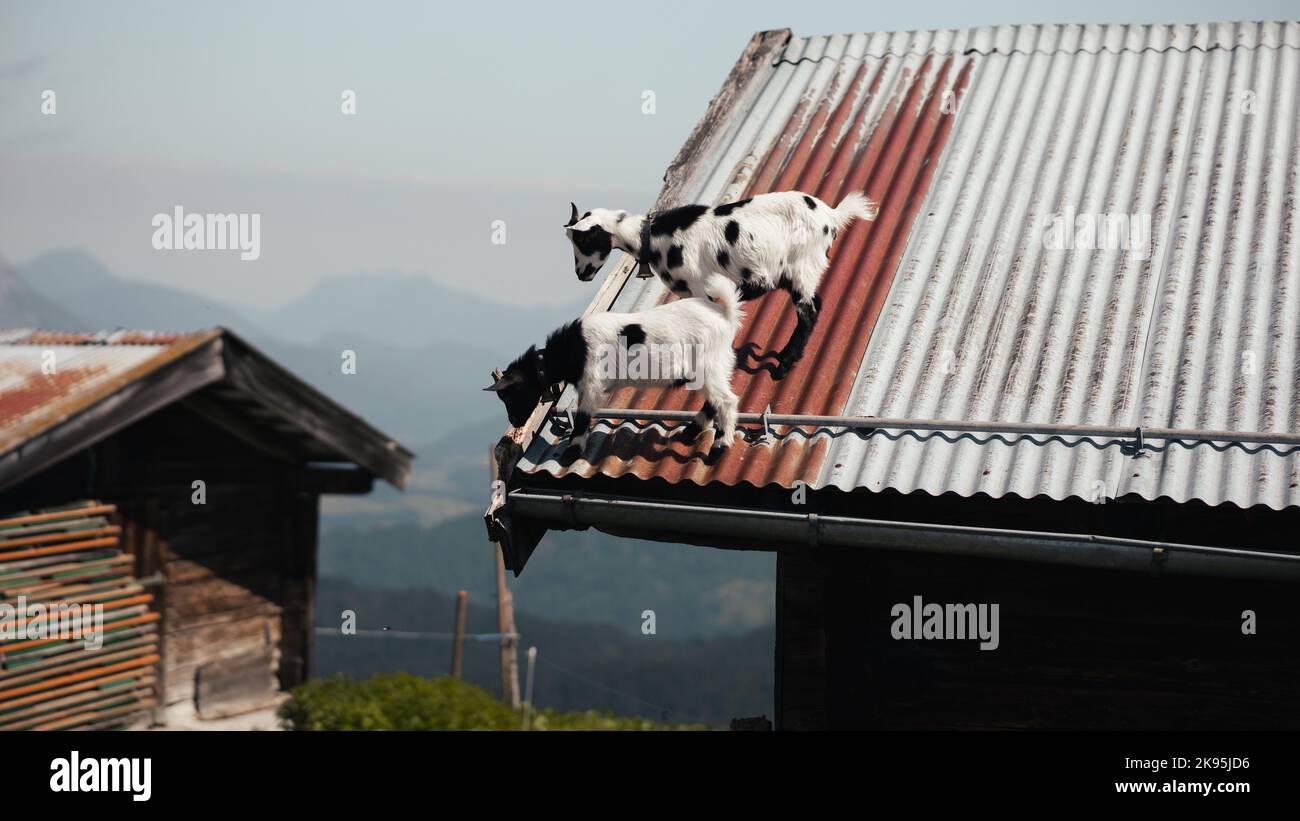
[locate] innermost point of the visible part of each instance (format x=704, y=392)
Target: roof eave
x=179, y=371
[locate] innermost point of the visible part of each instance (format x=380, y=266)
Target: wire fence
x=413, y=634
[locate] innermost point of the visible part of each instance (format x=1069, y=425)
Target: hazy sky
x=466, y=113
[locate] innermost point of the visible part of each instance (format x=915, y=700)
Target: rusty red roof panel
x=872, y=123
x=44, y=375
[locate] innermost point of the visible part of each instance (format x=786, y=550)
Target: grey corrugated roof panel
x=952, y=306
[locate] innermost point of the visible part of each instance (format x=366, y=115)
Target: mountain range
x=23, y=307
x=417, y=375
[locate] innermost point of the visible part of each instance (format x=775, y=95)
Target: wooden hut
x=203, y=463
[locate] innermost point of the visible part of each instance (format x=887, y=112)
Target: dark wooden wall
x=1079, y=648
x=239, y=570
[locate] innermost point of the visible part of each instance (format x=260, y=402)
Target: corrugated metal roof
x=950, y=306
x=60, y=392
x=46, y=376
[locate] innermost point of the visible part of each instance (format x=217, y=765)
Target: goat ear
x=501, y=382
x=573, y=218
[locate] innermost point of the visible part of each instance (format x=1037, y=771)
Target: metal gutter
x=763, y=529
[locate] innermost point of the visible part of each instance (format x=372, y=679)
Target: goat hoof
x=691, y=432
x=785, y=363
x=720, y=444
x=574, y=449
x=715, y=452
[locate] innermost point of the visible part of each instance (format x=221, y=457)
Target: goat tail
x=723, y=292
x=855, y=205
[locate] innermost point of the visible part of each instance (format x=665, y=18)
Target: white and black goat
x=768, y=242
x=694, y=334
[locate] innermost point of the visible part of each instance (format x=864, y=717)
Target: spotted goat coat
x=778, y=241
x=578, y=354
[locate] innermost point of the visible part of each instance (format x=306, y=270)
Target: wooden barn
x=177, y=478
x=1095, y=431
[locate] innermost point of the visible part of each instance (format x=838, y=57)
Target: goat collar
x=643, y=251
x=549, y=392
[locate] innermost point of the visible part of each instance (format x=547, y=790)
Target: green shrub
x=400, y=701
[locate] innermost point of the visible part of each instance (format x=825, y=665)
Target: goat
x=582, y=352
x=771, y=241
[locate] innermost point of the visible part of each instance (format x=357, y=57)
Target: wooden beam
x=319, y=480
x=801, y=687
x=238, y=425
x=758, y=54
x=308, y=410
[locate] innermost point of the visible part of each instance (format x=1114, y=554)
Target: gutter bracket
x=814, y=531
x=570, y=510
x=1137, y=447
x=1158, y=558
x=766, y=438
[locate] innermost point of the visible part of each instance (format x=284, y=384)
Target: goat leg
x=806, y=313
x=578, y=436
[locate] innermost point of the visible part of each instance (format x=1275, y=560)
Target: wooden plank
x=182, y=624
x=180, y=675
x=66, y=572
x=219, y=593
x=68, y=528
x=75, y=687
x=757, y=56
x=86, y=594
x=9, y=545
x=64, y=548
x=34, y=713
x=183, y=571
x=83, y=718
x=13, y=661
x=141, y=619
x=11, y=693
x=91, y=700
x=235, y=685
x=89, y=509
x=185, y=644
x=50, y=662
x=95, y=658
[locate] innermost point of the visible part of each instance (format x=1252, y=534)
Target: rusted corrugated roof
x=950, y=306
x=47, y=376
x=60, y=392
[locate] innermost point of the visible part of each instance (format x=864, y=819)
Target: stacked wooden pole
x=50, y=679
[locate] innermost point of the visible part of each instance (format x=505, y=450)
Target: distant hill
x=417, y=378
x=76, y=280
x=22, y=306
x=579, y=666
x=415, y=311
x=413, y=393
x=578, y=576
